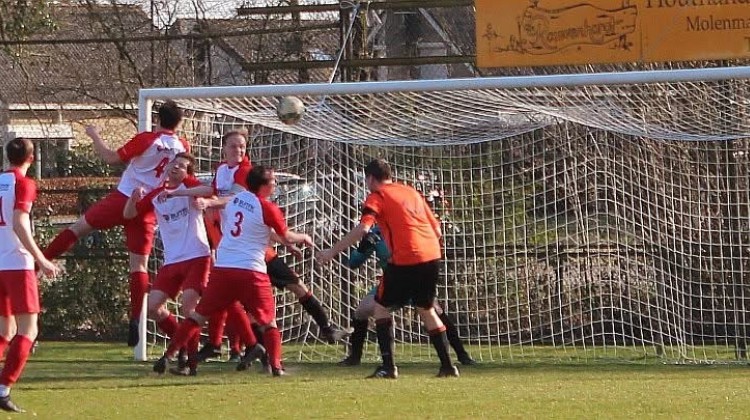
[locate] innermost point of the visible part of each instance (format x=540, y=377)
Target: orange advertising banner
x=516, y=33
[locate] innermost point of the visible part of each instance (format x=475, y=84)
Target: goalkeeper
x=373, y=243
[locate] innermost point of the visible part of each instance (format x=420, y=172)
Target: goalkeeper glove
x=356, y=259
x=364, y=250
x=367, y=244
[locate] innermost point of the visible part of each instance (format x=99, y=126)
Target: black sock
x=440, y=342
x=452, y=333
x=258, y=333
x=313, y=307
x=357, y=339
x=384, y=328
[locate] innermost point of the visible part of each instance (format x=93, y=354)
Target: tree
x=20, y=19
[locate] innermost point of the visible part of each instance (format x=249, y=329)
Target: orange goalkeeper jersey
x=408, y=225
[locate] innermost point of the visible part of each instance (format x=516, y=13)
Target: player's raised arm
x=108, y=155
x=273, y=217
x=297, y=238
x=292, y=248
x=373, y=205
x=204, y=191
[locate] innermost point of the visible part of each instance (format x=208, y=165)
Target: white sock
x=4, y=391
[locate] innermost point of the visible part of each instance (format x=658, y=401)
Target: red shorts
x=19, y=293
x=107, y=213
x=190, y=274
x=251, y=288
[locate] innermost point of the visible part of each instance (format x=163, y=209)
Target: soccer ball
x=290, y=109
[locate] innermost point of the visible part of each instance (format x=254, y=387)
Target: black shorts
x=405, y=285
x=280, y=273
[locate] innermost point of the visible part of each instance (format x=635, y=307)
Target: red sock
x=61, y=244
x=216, y=327
x=272, y=341
x=185, y=332
x=240, y=324
x=3, y=345
x=233, y=335
x=138, y=288
x=168, y=325
x=245, y=331
x=18, y=354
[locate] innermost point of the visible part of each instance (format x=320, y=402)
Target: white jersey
x=231, y=180
x=148, y=155
x=246, y=232
x=16, y=192
x=181, y=226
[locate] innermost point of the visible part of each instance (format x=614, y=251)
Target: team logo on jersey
x=163, y=148
x=244, y=204
x=177, y=215
x=4, y=187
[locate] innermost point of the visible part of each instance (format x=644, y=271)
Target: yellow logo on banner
x=558, y=32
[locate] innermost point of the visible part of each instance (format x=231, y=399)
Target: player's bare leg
x=165, y=320
x=7, y=331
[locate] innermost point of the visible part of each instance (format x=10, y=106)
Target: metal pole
x=558, y=80
x=144, y=124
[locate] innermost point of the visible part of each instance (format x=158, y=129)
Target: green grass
x=88, y=380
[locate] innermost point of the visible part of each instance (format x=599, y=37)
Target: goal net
x=585, y=217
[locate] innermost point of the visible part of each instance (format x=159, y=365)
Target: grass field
x=93, y=380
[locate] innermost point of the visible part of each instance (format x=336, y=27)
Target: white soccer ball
x=290, y=109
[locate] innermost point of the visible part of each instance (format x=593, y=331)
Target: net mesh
x=594, y=222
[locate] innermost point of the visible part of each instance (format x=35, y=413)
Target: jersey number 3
x=239, y=217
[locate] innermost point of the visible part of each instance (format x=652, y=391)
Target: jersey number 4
x=160, y=167
x=239, y=217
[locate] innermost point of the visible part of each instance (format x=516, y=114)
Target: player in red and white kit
x=230, y=179
x=147, y=155
x=239, y=272
x=19, y=295
x=187, y=259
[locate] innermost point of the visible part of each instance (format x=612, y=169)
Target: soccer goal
x=585, y=217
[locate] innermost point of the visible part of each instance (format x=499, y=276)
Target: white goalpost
x=586, y=217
